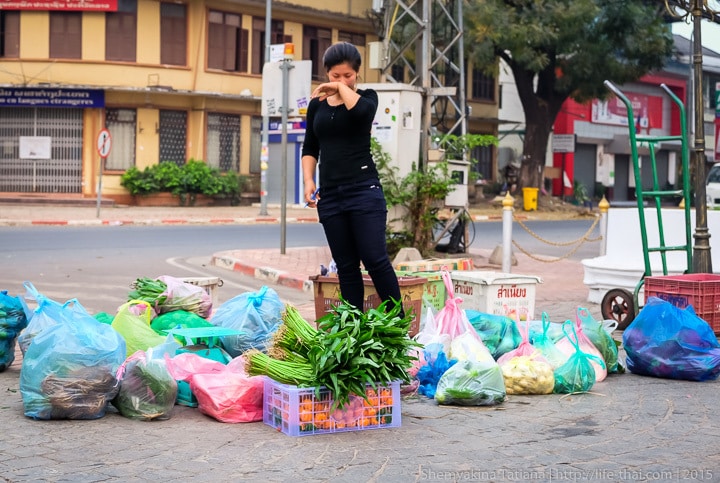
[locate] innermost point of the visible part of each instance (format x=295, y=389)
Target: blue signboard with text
x=51, y=97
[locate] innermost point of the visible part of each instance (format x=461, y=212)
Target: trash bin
x=530, y=199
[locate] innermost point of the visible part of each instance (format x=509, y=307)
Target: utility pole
x=697, y=9
x=430, y=57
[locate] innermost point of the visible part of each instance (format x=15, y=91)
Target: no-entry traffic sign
x=104, y=142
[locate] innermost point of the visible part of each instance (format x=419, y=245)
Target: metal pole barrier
x=265, y=135
x=286, y=66
x=604, y=206
x=507, y=220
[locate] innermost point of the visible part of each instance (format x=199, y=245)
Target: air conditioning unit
x=378, y=5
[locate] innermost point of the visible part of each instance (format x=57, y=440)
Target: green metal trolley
x=619, y=304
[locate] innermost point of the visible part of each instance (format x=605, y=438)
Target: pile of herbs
x=349, y=350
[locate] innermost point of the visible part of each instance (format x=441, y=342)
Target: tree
x=560, y=49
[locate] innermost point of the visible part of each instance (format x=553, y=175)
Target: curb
x=280, y=277
x=161, y=221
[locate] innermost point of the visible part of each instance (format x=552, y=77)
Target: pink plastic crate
x=298, y=411
x=701, y=290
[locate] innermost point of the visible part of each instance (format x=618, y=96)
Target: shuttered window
x=315, y=42
x=121, y=32
x=227, y=42
x=277, y=36
x=10, y=35
x=173, y=34
x=65, y=35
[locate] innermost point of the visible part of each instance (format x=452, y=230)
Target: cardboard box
x=497, y=293
x=327, y=295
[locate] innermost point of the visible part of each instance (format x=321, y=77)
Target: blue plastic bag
x=429, y=374
x=69, y=370
x=669, y=342
x=256, y=314
x=47, y=314
x=13, y=319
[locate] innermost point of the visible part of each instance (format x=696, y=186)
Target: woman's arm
x=348, y=95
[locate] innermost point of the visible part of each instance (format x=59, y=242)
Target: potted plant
x=166, y=183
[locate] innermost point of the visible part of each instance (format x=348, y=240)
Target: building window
x=227, y=42
x=10, y=34
x=65, y=35
x=277, y=36
x=173, y=136
x=484, y=165
x=173, y=34
x=122, y=124
x=223, y=141
x=483, y=86
x=357, y=40
x=121, y=32
x=315, y=43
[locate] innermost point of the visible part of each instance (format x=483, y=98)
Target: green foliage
x=560, y=49
x=456, y=147
x=419, y=195
x=187, y=181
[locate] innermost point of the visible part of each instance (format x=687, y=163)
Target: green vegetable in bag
x=147, y=390
x=471, y=383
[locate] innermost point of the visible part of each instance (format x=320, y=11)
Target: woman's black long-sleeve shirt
x=340, y=140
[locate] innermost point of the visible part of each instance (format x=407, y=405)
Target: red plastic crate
x=300, y=411
x=701, y=290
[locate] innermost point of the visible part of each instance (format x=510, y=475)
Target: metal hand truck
x=619, y=304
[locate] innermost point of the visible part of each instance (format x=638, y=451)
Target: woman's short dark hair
x=340, y=53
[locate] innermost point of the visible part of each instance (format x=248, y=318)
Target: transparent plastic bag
x=471, y=383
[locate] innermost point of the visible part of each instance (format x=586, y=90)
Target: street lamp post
x=681, y=9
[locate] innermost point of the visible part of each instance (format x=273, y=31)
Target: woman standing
x=350, y=201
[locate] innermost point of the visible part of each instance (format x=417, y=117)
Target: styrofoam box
x=496, y=292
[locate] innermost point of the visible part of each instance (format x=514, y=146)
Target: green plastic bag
x=577, y=374
x=601, y=339
x=499, y=333
x=177, y=319
x=545, y=344
x=132, y=322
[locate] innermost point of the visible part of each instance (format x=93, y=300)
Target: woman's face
x=343, y=73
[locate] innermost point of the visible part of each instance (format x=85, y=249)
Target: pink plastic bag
x=451, y=319
x=525, y=348
x=184, y=366
x=585, y=345
x=230, y=396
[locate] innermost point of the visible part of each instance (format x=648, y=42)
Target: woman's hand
x=311, y=195
x=325, y=90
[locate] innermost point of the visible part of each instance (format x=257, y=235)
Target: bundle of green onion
x=349, y=350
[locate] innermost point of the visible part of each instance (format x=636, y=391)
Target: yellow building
x=170, y=81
